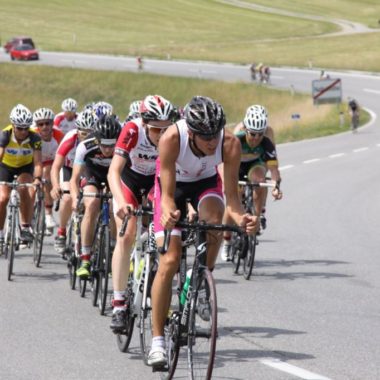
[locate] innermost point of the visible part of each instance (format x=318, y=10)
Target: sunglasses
x=19, y=128
x=255, y=134
x=107, y=146
x=209, y=137
x=156, y=129
x=42, y=123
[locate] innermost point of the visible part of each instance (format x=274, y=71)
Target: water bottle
x=185, y=287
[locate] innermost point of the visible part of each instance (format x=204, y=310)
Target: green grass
x=37, y=86
x=366, y=12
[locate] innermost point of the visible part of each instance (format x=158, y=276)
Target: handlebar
x=200, y=226
x=142, y=211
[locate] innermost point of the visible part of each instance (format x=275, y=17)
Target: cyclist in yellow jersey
x=20, y=155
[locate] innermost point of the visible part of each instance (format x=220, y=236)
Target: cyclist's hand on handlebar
x=249, y=223
x=55, y=192
x=125, y=210
x=170, y=218
x=277, y=194
x=37, y=181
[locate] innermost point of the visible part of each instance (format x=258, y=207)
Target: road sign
x=327, y=91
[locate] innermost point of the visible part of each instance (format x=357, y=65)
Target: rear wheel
x=202, y=329
x=123, y=340
x=104, y=269
x=249, y=258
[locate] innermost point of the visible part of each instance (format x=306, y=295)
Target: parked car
x=23, y=52
x=15, y=41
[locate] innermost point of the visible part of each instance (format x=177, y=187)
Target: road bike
x=243, y=248
x=193, y=322
x=12, y=239
x=39, y=224
x=142, y=271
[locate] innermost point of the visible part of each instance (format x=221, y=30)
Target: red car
x=15, y=41
x=23, y=53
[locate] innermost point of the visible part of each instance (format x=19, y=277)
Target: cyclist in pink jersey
x=189, y=153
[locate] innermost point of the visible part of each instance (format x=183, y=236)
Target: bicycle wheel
x=202, y=328
x=98, y=266
x=70, y=255
x=123, y=340
x=39, y=232
x=82, y=287
x=249, y=258
x=105, y=265
x=11, y=243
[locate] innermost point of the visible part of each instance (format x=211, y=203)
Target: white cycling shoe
x=157, y=357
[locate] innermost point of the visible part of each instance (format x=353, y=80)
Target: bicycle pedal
x=164, y=368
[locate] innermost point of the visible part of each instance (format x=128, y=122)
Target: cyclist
x=92, y=160
x=189, y=153
x=269, y=132
x=354, y=112
x=20, y=155
x=62, y=168
x=258, y=156
x=102, y=108
x=131, y=175
x=65, y=120
x=43, y=119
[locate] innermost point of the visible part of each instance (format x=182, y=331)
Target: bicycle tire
x=201, y=345
x=39, y=232
x=123, y=340
x=12, y=242
x=70, y=255
x=249, y=259
x=82, y=286
x=104, y=274
x=98, y=266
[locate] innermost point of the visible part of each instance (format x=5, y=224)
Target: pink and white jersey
x=134, y=145
x=68, y=146
x=63, y=124
x=190, y=167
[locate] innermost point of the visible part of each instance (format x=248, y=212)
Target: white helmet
x=156, y=107
x=256, y=119
x=20, y=115
x=102, y=109
x=43, y=114
x=86, y=120
x=134, y=107
x=69, y=105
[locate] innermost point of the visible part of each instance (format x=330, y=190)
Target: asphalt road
x=311, y=310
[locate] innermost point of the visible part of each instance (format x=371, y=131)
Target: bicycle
x=101, y=248
x=143, y=267
x=244, y=247
x=187, y=325
x=12, y=235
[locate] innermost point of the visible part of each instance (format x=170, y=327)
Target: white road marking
x=337, y=155
x=311, y=161
x=372, y=91
x=360, y=149
x=293, y=370
x=286, y=167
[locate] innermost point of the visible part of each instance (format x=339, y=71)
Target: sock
x=227, y=240
x=118, y=300
x=62, y=231
x=158, y=341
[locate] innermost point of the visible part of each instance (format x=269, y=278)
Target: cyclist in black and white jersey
x=92, y=160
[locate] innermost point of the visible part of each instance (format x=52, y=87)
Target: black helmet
x=204, y=116
x=107, y=128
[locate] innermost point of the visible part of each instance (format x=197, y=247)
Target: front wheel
x=105, y=261
x=39, y=232
x=202, y=329
x=11, y=241
x=123, y=340
x=249, y=258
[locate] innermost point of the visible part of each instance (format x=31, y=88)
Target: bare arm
x=168, y=152
x=37, y=161
x=239, y=127
x=54, y=176
x=74, y=183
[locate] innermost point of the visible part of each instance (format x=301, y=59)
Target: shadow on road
x=251, y=332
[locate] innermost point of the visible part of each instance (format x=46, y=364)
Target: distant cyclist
x=20, y=155
x=354, y=112
x=134, y=110
x=65, y=120
x=51, y=137
x=258, y=156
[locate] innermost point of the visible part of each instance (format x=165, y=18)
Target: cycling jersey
x=89, y=154
x=49, y=148
x=68, y=146
x=190, y=167
x=63, y=124
x=265, y=151
x=134, y=145
x=18, y=154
